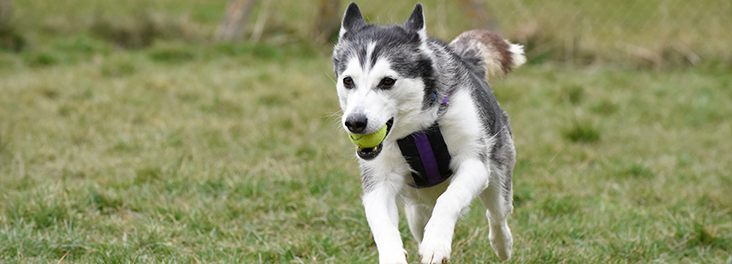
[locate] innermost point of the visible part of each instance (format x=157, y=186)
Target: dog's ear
x=416, y=20
x=352, y=19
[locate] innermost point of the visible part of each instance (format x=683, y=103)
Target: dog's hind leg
x=497, y=211
x=417, y=217
x=498, y=197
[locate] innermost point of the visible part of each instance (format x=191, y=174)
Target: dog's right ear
x=416, y=20
x=352, y=19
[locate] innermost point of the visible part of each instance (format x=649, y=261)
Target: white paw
x=434, y=251
x=501, y=241
x=393, y=257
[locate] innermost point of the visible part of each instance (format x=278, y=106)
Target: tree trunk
x=479, y=14
x=235, y=18
x=6, y=12
x=328, y=20
x=9, y=38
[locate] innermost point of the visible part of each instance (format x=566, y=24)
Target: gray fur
x=461, y=69
x=367, y=179
x=446, y=71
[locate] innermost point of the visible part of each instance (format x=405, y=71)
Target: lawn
x=187, y=151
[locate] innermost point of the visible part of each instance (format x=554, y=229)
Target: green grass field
x=186, y=151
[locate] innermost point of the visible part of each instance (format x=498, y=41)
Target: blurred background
x=208, y=131
x=650, y=34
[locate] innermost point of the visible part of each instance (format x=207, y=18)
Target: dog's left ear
x=416, y=20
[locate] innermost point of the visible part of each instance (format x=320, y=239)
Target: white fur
x=517, y=52
x=364, y=99
x=462, y=132
x=491, y=56
x=431, y=212
x=402, y=102
x=341, y=32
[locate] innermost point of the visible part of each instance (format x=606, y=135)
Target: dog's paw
x=501, y=241
x=394, y=257
x=434, y=251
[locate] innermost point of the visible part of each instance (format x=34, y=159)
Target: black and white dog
x=447, y=141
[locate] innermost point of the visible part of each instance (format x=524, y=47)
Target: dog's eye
x=386, y=83
x=348, y=82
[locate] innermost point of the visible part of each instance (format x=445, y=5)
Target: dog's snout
x=356, y=123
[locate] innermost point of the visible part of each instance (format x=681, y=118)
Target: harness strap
x=427, y=154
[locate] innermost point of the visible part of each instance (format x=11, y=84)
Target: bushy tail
x=488, y=53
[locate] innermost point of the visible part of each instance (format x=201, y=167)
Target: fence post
x=6, y=12
x=235, y=18
x=10, y=39
x=328, y=20
x=479, y=14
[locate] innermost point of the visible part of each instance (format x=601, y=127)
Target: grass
x=189, y=151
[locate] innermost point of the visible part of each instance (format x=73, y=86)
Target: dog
x=447, y=139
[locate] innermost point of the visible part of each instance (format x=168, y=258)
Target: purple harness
x=427, y=154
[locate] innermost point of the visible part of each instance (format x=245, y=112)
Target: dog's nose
x=356, y=123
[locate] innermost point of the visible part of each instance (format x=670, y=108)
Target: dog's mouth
x=370, y=153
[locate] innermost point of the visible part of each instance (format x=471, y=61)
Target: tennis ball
x=370, y=140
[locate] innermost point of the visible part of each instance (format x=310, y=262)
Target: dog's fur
x=476, y=130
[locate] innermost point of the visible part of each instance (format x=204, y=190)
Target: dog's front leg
x=469, y=180
x=382, y=214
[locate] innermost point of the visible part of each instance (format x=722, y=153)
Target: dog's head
x=384, y=76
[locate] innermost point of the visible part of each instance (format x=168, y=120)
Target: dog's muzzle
x=371, y=153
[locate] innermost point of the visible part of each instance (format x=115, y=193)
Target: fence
x=652, y=33
x=657, y=33
x=645, y=33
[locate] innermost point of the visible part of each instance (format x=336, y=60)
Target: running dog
x=447, y=139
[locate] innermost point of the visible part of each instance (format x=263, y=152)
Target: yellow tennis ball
x=370, y=140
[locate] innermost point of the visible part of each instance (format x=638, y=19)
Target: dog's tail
x=488, y=53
